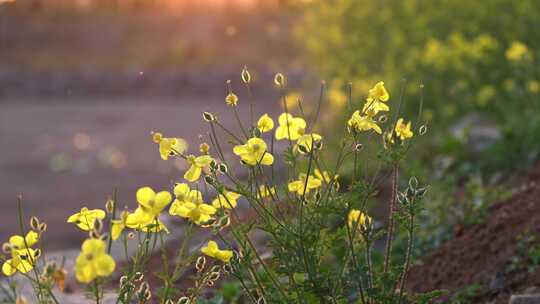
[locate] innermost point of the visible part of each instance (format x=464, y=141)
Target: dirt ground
x=65, y=155
x=483, y=254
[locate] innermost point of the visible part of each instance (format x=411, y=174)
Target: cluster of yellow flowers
x=23, y=256
x=365, y=120
x=95, y=261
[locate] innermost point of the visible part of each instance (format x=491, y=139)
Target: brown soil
x=481, y=254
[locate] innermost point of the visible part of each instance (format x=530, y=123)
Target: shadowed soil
x=482, y=253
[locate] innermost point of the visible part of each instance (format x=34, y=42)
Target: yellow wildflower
x=197, y=165
x=151, y=202
x=306, y=142
x=265, y=191
x=254, y=152
x=324, y=176
x=372, y=108
x=517, y=51
x=290, y=127
x=378, y=93
x=231, y=99
x=299, y=185
x=228, y=200
x=533, y=86
x=86, y=219
x=150, y=206
x=363, y=123
x=356, y=217
x=265, y=123
x=292, y=100
x=403, y=130
x=22, y=260
x=119, y=225
x=212, y=250
x=204, y=148
x=169, y=146
x=22, y=256
x=93, y=261
x=189, y=204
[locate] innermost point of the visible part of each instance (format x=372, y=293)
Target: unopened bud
x=208, y=116
x=246, y=76
x=279, y=80
x=34, y=223
x=109, y=206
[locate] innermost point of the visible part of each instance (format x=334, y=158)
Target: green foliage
x=468, y=60
x=468, y=294
x=527, y=253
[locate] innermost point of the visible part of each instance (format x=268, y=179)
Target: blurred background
x=84, y=82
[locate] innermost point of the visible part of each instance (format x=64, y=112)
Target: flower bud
x=279, y=80
x=109, y=206
x=246, y=76
x=413, y=183
x=200, y=263
x=223, y=168
x=34, y=223
x=422, y=130
x=209, y=116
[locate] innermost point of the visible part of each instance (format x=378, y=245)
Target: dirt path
x=62, y=156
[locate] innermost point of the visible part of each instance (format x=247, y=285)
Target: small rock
x=525, y=299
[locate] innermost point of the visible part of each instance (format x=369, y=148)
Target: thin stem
x=410, y=245
x=391, y=220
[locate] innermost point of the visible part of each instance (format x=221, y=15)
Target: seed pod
x=279, y=80
x=246, y=76
x=123, y=281
x=223, y=168
x=214, y=276
x=213, y=164
x=421, y=192
x=383, y=118
x=413, y=183
x=183, y=300
x=138, y=276
x=226, y=268
x=42, y=227
x=34, y=223
x=6, y=248
x=215, y=268
x=403, y=198
x=209, y=116
x=200, y=263
x=148, y=295
x=303, y=149
x=109, y=206
x=209, y=179
x=255, y=132
x=131, y=235
x=358, y=147
x=422, y=130
x=318, y=145
x=98, y=225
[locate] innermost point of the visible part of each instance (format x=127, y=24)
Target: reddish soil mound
x=482, y=253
